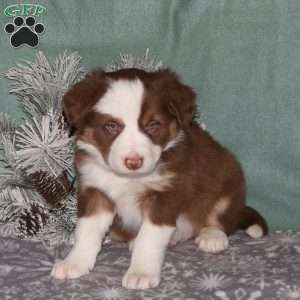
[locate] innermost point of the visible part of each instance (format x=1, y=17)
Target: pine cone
x=53, y=189
x=32, y=220
x=63, y=122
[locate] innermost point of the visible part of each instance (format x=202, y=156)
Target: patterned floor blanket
x=267, y=268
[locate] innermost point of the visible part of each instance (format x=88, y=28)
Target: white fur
x=147, y=257
x=184, y=230
x=88, y=238
x=123, y=100
x=212, y=240
x=255, y=231
x=124, y=191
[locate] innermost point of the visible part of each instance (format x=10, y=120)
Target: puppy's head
x=129, y=117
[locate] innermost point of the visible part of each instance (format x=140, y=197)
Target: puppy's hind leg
x=212, y=240
x=184, y=231
x=212, y=237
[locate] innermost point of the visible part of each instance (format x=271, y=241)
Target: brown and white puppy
x=144, y=162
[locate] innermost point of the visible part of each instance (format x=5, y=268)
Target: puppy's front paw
x=140, y=281
x=131, y=245
x=212, y=240
x=70, y=269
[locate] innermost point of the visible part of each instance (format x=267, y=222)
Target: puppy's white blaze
x=89, y=234
x=123, y=100
x=255, y=231
x=148, y=254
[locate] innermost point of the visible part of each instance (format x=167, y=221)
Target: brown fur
x=80, y=99
x=94, y=132
x=205, y=174
x=91, y=201
x=208, y=186
x=118, y=232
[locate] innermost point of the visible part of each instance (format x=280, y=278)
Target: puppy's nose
x=134, y=162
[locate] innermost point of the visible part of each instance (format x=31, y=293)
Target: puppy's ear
x=181, y=99
x=81, y=98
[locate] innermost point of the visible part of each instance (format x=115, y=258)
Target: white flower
x=188, y=273
x=289, y=293
x=282, y=242
x=167, y=290
x=209, y=282
x=247, y=262
x=238, y=294
x=112, y=293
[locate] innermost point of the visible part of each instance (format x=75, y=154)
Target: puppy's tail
x=253, y=223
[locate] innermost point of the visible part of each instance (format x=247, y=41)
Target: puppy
x=145, y=166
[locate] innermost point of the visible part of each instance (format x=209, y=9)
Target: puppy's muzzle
x=134, y=162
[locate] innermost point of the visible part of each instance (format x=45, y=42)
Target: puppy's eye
x=112, y=127
x=152, y=127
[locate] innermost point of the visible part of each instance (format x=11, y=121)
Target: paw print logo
x=24, y=31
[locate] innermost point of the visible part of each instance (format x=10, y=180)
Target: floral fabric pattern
x=267, y=268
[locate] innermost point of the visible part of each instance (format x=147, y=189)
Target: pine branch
x=14, y=180
x=40, y=86
x=8, y=149
x=56, y=233
x=7, y=125
x=7, y=145
x=130, y=61
x=44, y=146
x=68, y=70
x=13, y=200
x=8, y=229
x=10, y=175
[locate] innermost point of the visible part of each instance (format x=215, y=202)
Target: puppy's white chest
x=124, y=192
x=125, y=195
x=129, y=211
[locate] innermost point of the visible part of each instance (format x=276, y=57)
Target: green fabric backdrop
x=241, y=56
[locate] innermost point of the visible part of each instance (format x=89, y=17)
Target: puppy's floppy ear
x=80, y=99
x=181, y=99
